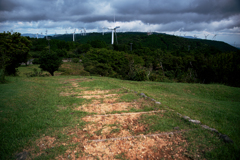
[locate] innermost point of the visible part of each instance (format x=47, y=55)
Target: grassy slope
x=28, y=106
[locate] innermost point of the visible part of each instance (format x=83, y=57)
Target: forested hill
x=157, y=57
x=163, y=41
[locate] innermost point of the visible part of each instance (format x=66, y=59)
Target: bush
x=50, y=62
x=140, y=76
x=36, y=61
x=75, y=60
x=35, y=73
x=100, y=69
x=84, y=73
x=2, y=76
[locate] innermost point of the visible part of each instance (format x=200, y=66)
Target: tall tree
x=14, y=49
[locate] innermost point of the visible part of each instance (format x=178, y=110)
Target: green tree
x=14, y=49
x=50, y=61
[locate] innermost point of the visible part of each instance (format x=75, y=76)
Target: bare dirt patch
x=156, y=147
x=98, y=96
x=95, y=92
x=103, y=127
x=45, y=142
x=68, y=93
x=103, y=108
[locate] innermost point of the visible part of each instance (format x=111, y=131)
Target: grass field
x=40, y=110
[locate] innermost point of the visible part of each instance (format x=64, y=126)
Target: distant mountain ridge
x=156, y=40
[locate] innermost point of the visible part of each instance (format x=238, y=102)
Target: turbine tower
x=114, y=31
x=46, y=34
x=206, y=35
x=74, y=34
x=103, y=30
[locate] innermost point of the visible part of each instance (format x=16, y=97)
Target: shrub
x=75, y=60
x=35, y=61
x=2, y=76
x=50, y=62
x=102, y=69
x=35, y=73
x=140, y=76
x=84, y=73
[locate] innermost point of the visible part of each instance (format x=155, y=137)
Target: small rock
x=153, y=100
x=214, y=130
x=176, y=128
x=186, y=117
x=177, y=113
x=135, y=92
x=211, y=129
x=205, y=126
x=226, y=139
x=158, y=102
x=21, y=156
x=194, y=121
x=142, y=94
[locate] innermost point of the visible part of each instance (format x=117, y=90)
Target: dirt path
x=119, y=135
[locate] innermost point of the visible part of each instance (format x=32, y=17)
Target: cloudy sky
x=185, y=17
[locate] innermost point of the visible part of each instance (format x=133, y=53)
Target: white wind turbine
x=46, y=34
x=214, y=37
x=206, y=35
x=114, y=28
x=74, y=34
x=103, y=30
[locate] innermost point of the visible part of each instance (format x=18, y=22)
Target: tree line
x=140, y=57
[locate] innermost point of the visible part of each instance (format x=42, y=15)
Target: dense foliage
x=157, y=57
x=14, y=50
x=50, y=62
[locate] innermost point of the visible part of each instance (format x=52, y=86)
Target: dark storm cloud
x=168, y=14
x=154, y=11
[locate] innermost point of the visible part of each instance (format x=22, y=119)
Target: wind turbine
x=74, y=34
x=206, y=35
x=103, y=30
x=114, y=31
x=46, y=34
x=11, y=31
x=195, y=36
x=214, y=37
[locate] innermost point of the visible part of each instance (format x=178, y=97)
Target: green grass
x=29, y=108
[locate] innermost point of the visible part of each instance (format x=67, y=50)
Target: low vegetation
x=91, y=107
x=45, y=110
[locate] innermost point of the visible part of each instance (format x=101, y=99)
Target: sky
x=179, y=17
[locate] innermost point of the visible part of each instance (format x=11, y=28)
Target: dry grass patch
x=98, y=96
x=95, y=92
x=109, y=126
x=158, y=147
x=103, y=108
